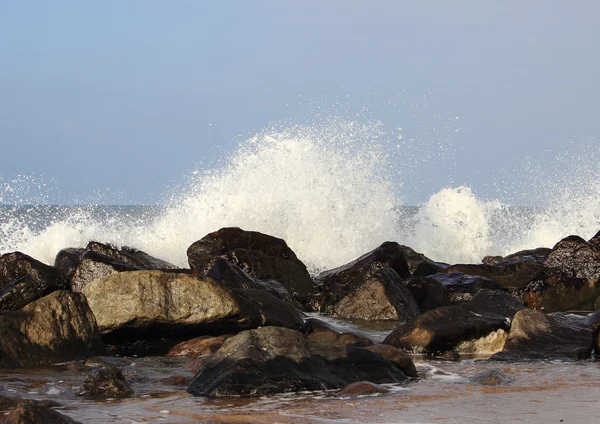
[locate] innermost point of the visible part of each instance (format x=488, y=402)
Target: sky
x=121, y=99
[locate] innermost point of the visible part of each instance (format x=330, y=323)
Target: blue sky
x=130, y=96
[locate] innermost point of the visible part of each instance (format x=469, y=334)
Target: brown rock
x=36, y=414
x=198, y=347
x=362, y=388
x=400, y=359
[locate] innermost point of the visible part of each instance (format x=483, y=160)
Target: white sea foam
x=327, y=190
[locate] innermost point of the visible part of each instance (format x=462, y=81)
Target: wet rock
x=330, y=342
x=593, y=322
x=575, y=257
x=94, y=265
x=19, y=293
x=382, y=295
x=67, y=260
x=486, y=345
x=562, y=293
x=429, y=293
x=24, y=279
x=513, y=272
x=451, y=356
x=55, y=328
x=400, y=359
x=362, y=388
x=8, y=403
x=105, y=382
x=129, y=255
x=272, y=360
x=154, y=304
x=232, y=276
x=260, y=255
x=442, y=329
x=535, y=335
x=595, y=240
x=36, y=414
x=198, y=347
x=491, y=378
x=461, y=287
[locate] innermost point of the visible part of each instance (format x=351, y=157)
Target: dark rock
x=595, y=240
x=419, y=265
x=491, y=260
x=260, y=255
x=400, y=359
x=19, y=293
x=330, y=342
x=491, y=378
x=24, y=279
x=451, y=355
x=593, y=322
x=105, y=382
x=198, y=347
x=535, y=335
x=154, y=304
x=8, y=403
x=513, y=272
x=94, y=265
x=381, y=296
x=55, y=328
x=461, y=287
x=575, y=257
x=272, y=360
x=36, y=414
x=67, y=260
x=362, y=388
x=561, y=293
x=232, y=276
x=429, y=293
x=444, y=328
x=129, y=255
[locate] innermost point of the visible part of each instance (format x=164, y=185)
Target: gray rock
x=491, y=378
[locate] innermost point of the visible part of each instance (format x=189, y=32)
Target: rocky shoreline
x=239, y=311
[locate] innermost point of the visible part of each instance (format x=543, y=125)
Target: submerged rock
x=271, y=360
x=57, y=327
x=105, y=382
x=260, y=255
x=491, y=378
x=535, y=335
x=362, y=388
x=198, y=347
x=444, y=328
x=154, y=304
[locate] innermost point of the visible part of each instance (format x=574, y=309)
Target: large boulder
x=153, y=304
x=382, y=295
x=562, y=293
x=24, y=279
x=535, y=335
x=272, y=360
x=429, y=293
x=514, y=274
x=260, y=255
x=460, y=287
x=66, y=261
x=57, y=327
x=444, y=328
x=575, y=257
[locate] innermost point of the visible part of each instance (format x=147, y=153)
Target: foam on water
x=327, y=190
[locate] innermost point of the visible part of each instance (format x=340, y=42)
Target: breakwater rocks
x=239, y=310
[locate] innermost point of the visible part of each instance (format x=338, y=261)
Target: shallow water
x=542, y=392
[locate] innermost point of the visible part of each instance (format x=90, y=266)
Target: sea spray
x=327, y=189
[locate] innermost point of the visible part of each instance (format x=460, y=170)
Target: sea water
x=331, y=190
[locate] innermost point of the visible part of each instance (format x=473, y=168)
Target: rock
x=381, y=296
x=595, y=240
x=8, y=403
x=271, y=360
x=105, y=382
x=535, y=335
x=232, y=276
x=461, y=287
x=429, y=293
x=154, y=304
x=198, y=347
x=36, y=414
x=442, y=329
x=24, y=279
x=574, y=257
x=451, y=356
x=19, y=293
x=94, y=265
x=330, y=342
x=362, y=388
x=593, y=322
x=561, y=293
x=129, y=255
x=262, y=256
x=513, y=272
x=491, y=378
x=484, y=346
x=55, y=328
x=66, y=261
x=419, y=265
x=400, y=359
